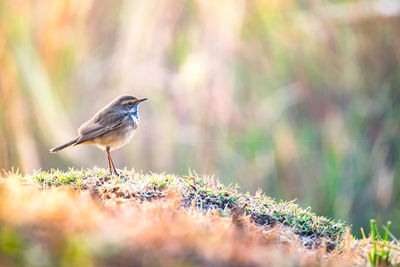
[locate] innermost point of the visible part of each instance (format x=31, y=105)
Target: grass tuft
x=380, y=257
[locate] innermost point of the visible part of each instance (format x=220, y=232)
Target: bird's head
x=128, y=103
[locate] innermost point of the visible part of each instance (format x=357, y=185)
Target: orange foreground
x=65, y=226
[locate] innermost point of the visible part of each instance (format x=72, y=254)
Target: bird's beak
x=143, y=99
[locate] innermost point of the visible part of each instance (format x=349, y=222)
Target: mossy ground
x=202, y=193
x=86, y=217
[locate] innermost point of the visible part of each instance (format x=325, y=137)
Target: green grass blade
x=373, y=232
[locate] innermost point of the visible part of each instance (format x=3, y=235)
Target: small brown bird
x=110, y=128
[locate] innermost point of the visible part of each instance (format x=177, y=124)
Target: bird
x=110, y=128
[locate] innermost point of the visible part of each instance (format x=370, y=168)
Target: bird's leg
x=110, y=159
x=115, y=171
x=109, y=163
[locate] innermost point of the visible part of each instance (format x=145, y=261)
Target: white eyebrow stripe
x=125, y=102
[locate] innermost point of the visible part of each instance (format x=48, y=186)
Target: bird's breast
x=116, y=138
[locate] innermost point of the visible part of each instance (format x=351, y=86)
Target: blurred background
x=299, y=98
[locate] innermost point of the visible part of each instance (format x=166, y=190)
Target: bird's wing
x=102, y=123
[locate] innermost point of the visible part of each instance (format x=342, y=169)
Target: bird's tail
x=58, y=148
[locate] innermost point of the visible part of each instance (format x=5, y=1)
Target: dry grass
x=84, y=221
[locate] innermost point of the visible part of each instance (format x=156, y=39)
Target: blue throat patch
x=134, y=111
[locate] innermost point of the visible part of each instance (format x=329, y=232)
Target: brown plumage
x=110, y=128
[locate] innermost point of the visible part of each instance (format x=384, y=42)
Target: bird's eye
x=130, y=104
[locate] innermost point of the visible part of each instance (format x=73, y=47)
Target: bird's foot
x=116, y=181
x=110, y=173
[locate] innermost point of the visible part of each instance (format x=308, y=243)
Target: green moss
x=204, y=192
